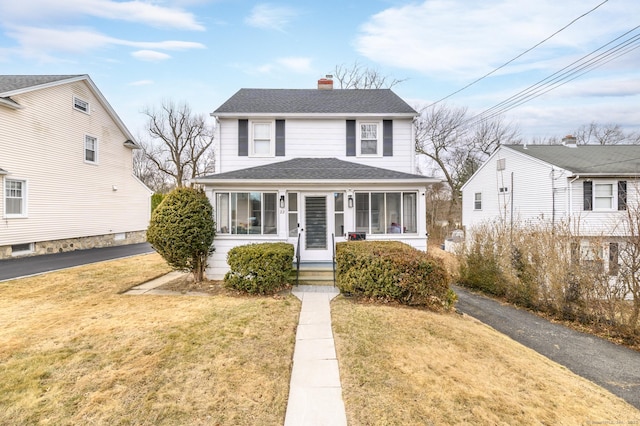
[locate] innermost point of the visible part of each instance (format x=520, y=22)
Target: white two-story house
x=66, y=169
x=588, y=189
x=313, y=167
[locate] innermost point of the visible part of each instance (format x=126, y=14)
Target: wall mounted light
x=282, y=201
x=350, y=201
x=114, y=188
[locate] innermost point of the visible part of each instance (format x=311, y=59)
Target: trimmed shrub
x=391, y=270
x=182, y=230
x=260, y=268
x=480, y=269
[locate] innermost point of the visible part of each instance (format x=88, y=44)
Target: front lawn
x=75, y=351
x=404, y=366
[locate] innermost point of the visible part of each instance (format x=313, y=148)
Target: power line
x=563, y=76
x=520, y=55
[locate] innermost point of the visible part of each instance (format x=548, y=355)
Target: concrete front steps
x=315, y=274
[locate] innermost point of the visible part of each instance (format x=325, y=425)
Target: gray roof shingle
x=315, y=169
x=587, y=159
x=9, y=83
x=313, y=101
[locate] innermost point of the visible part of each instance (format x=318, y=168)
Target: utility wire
x=563, y=76
x=520, y=55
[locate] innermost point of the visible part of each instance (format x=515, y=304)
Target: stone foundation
x=71, y=244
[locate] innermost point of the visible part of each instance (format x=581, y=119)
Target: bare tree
x=147, y=171
x=357, y=76
x=181, y=144
x=443, y=135
x=602, y=134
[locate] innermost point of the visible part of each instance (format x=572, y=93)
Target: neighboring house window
x=80, y=105
x=386, y=212
x=15, y=198
x=293, y=214
x=477, y=201
x=247, y=213
x=90, y=149
x=605, y=195
x=614, y=259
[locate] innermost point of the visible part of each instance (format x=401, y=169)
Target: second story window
x=262, y=140
x=369, y=139
x=477, y=201
x=90, y=149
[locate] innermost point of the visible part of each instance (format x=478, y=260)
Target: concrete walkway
x=315, y=393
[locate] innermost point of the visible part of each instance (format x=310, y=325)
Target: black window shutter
x=387, y=138
x=587, y=189
x=351, y=138
x=243, y=138
x=622, y=195
x=280, y=138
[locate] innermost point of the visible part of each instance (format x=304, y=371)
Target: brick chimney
x=570, y=141
x=326, y=83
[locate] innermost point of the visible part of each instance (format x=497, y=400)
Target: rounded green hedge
x=390, y=270
x=259, y=268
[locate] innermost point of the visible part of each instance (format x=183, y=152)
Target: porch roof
x=315, y=169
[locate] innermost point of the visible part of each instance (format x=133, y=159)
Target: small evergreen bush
x=391, y=270
x=260, y=268
x=156, y=199
x=182, y=230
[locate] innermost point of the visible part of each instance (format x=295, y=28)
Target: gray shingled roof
x=315, y=169
x=313, y=101
x=9, y=83
x=587, y=159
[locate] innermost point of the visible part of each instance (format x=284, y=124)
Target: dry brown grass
x=74, y=351
x=402, y=366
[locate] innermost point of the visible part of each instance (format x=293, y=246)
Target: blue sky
x=140, y=53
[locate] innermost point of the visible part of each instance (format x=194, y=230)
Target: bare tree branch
x=358, y=77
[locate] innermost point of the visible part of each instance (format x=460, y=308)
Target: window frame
x=230, y=228
x=95, y=150
x=382, y=217
x=23, y=199
x=477, y=201
x=77, y=100
x=379, y=138
x=614, y=196
x=272, y=139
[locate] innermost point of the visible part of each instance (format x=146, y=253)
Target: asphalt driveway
x=615, y=368
x=33, y=265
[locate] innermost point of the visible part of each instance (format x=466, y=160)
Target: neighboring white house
x=314, y=165
x=587, y=187
x=66, y=168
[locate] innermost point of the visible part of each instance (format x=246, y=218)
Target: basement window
x=21, y=249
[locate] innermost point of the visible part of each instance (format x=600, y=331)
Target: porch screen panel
x=362, y=212
x=222, y=213
x=255, y=218
x=377, y=213
x=410, y=212
x=316, y=223
x=270, y=214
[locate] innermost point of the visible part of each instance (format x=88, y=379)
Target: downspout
x=553, y=200
x=512, y=195
x=571, y=196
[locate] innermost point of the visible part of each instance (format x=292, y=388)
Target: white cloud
x=296, y=64
x=131, y=11
x=42, y=42
x=270, y=17
x=459, y=38
x=150, y=55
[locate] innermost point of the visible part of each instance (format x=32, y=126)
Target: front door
x=316, y=238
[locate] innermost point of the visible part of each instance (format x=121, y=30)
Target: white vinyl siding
x=65, y=198
x=317, y=138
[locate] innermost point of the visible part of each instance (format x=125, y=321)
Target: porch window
x=293, y=214
x=338, y=208
x=386, y=212
x=247, y=213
